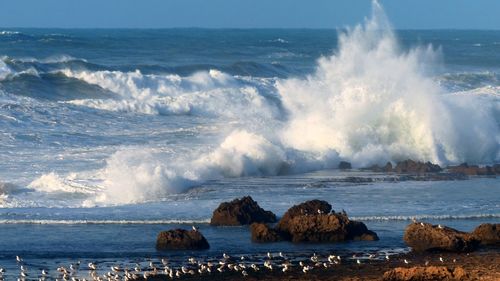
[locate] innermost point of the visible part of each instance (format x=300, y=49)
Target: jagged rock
x=474, y=170
x=343, y=165
x=181, y=239
x=385, y=169
x=410, y=166
x=427, y=237
x=314, y=221
x=488, y=233
x=435, y=273
x=312, y=207
x=240, y=212
x=262, y=233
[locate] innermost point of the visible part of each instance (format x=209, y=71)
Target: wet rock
x=181, y=239
x=314, y=221
x=263, y=233
x=474, y=170
x=384, y=169
x=410, y=166
x=343, y=165
x=427, y=237
x=312, y=207
x=436, y=273
x=488, y=233
x=240, y=212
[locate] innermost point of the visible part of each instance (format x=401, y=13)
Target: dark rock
x=410, y=166
x=240, y=212
x=488, y=233
x=427, y=237
x=262, y=233
x=181, y=239
x=343, y=165
x=385, y=169
x=474, y=170
x=435, y=273
x=314, y=221
x=312, y=207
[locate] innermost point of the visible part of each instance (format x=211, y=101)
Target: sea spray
x=368, y=103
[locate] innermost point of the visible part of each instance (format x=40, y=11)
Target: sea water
x=109, y=136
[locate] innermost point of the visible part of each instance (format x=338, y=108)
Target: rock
x=240, y=212
x=474, y=170
x=307, y=208
x=427, y=237
x=385, y=169
x=410, y=166
x=181, y=239
x=314, y=221
x=262, y=233
x=488, y=233
x=343, y=165
x=435, y=273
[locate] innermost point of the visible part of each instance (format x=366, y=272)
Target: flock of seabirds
x=162, y=267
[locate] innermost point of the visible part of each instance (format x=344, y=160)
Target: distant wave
x=426, y=217
x=8, y=32
x=69, y=222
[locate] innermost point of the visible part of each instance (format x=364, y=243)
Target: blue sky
x=404, y=14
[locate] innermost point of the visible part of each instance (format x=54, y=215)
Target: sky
x=404, y=14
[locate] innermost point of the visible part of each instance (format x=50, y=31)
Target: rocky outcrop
x=343, y=165
x=488, y=233
x=435, y=273
x=427, y=237
x=384, y=169
x=313, y=221
x=240, y=212
x=263, y=233
x=474, y=170
x=410, y=166
x=181, y=239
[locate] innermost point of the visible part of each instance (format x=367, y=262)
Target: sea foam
x=368, y=103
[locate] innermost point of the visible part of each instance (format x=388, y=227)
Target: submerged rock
x=436, y=273
x=410, y=166
x=240, y=212
x=488, y=233
x=474, y=170
x=181, y=239
x=263, y=233
x=427, y=237
x=313, y=221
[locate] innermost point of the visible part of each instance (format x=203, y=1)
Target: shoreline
x=483, y=264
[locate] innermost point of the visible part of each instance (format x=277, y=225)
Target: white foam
x=211, y=93
x=372, y=102
x=368, y=103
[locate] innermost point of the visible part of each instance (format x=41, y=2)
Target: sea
x=109, y=136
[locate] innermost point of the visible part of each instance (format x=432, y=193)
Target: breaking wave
x=367, y=103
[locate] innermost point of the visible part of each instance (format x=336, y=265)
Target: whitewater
x=368, y=101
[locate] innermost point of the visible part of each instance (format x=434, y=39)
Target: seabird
x=440, y=226
x=387, y=257
x=269, y=255
x=244, y=273
x=19, y=259
x=406, y=261
x=441, y=259
x=92, y=266
x=422, y=224
x=426, y=263
x=358, y=261
x=194, y=228
x=225, y=256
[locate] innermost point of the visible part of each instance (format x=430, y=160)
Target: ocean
x=108, y=136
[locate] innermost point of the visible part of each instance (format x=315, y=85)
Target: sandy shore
x=480, y=265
